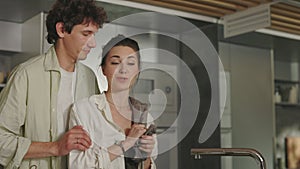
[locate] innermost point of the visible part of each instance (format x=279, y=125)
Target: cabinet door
x=34, y=35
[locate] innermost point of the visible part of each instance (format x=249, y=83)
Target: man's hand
x=74, y=139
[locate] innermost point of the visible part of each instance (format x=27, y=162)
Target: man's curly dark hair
x=71, y=13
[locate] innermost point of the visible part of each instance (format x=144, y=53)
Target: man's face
x=80, y=41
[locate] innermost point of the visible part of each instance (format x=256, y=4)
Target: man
x=35, y=103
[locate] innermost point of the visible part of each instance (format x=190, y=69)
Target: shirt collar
x=51, y=61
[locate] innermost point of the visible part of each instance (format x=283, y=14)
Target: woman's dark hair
x=120, y=40
x=71, y=13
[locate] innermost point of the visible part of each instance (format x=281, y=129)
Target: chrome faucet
x=198, y=152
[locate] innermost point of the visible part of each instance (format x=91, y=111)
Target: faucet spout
x=198, y=152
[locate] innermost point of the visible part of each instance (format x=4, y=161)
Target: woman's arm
x=98, y=156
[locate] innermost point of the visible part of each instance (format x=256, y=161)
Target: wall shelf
x=286, y=104
x=286, y=81
x=286, y=92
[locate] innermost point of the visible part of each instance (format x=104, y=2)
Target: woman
x=117, y=140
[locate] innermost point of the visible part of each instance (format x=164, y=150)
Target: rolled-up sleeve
x=13, y=146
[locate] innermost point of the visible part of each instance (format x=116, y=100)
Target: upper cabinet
x=33, y=39
x=11, y=36
x=27, y=37
x=34, y=35
x=20, y=41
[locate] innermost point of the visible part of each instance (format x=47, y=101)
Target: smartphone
x=151, y=130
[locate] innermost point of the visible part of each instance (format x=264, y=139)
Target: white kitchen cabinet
x=34, y=34
x=10, y=36
x=33, y=39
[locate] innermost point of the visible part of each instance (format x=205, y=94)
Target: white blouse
x=94, y=115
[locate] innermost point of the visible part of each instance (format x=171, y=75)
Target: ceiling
x=214, y=8
x=285, y=15
x=21, y=10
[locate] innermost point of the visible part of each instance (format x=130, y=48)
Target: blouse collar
x=100, y=101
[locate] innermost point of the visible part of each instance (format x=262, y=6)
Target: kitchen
x=252, y=63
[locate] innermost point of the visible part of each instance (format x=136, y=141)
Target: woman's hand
x=147, y=143
x=136, y=131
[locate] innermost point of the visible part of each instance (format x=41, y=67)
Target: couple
x=35, y=103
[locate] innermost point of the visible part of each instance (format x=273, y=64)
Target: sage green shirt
x=28, y=108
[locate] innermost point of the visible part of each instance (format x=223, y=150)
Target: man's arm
x=75, y=139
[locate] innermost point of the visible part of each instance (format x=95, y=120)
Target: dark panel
x=191, y=140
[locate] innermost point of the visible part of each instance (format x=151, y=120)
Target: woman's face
x=121, y=68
